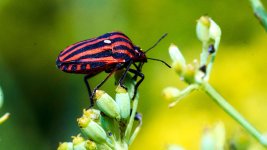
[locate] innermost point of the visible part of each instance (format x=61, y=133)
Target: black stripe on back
x=94, y=65
x=94, y=46
x=121, y=56
x=94, y=39
x=98, y=55
x=122, y=47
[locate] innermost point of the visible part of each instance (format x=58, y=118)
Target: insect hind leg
x=86, y=77
x=118, y=66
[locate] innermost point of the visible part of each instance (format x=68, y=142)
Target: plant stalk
x=130, y=124
x=233, y=113
x=259, y=12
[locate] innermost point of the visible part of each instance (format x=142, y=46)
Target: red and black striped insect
x=109, y=52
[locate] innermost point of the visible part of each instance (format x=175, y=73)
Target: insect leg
x=138, y=68
x=142, y=76
x=124, y=74
x=86, y=77
x=100, y=84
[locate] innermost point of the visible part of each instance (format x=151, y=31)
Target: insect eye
x=107, y=41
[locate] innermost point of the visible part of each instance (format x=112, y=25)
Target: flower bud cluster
x=187, y=72
x=197, y=72
x=78, y=143
x=105, y=125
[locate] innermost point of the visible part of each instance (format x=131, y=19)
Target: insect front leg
x=138, y=68
x=141, y=75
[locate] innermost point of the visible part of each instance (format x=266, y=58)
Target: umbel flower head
x=109, y=124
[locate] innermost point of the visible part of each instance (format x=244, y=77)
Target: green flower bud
x=90, y=145
x=178, y=61
x=123, y=101
x=128, y=82
x=92, y=130
x=93, y=114
x=107, y=105
x=219, y=135
x=203, y=25
x=214, y=138
x=77, y=139
x=189, y=73
x=215, y=31
x=83, y=121
x=207, y=30
x=65, y=146
x=208, y=140
x=170, y=93
x=78, y=143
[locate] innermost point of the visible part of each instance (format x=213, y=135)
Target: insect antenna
x=162, y=37
x=160, y=61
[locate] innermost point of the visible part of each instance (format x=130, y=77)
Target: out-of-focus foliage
x=45, y=102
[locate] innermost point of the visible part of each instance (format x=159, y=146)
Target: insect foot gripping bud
x=107, y=105
x=92, y=130
x=65, y=146
x=123, y=101
x=128, y=82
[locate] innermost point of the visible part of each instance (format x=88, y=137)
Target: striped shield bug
x=109, y=52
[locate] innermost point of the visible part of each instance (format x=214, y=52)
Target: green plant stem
x=209, y=67
x=184, y=93
x=135, y=133
x=233, y=113
x=130, y=124
x=204, y=54
x=259, y=12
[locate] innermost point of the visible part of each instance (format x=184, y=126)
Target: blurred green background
x=45, y=102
